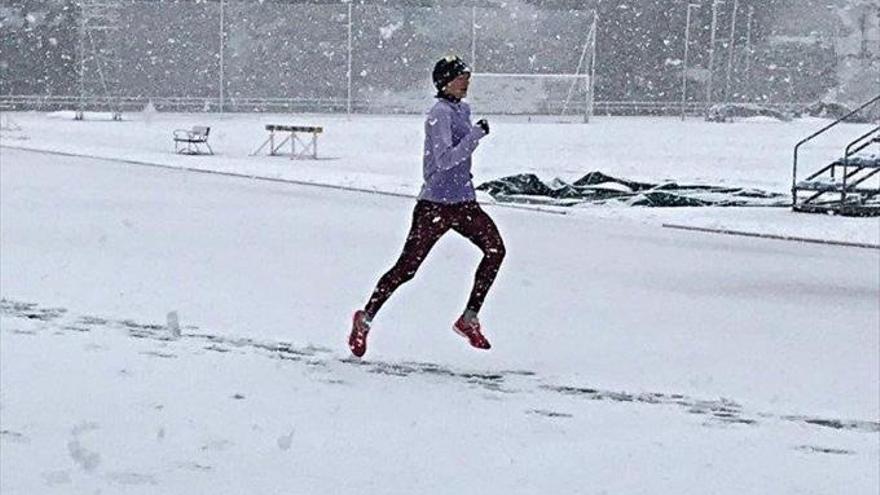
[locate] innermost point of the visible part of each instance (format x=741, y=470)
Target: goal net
x=561, y=97
x=556, y=96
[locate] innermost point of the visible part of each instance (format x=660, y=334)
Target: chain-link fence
x=376, y=56
x=304, y=56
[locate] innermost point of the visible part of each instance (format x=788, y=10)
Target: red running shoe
x=470, y=329
x=357, y=339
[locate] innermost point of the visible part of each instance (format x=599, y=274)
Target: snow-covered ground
x=627, y=358
x=383, y=153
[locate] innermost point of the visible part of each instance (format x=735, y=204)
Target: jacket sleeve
x=438, y=127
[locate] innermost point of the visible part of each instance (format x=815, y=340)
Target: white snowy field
x=627, y=358
x=383, y=153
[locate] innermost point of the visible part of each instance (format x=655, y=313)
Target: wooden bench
x=188, y=142
x=308, y=149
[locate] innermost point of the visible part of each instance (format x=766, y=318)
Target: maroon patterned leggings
x=430, y=221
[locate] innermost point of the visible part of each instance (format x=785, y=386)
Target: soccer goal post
x=563, y=96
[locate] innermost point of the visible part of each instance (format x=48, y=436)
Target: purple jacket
x=450, y=139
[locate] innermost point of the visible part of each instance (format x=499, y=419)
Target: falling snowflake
x=388, y=31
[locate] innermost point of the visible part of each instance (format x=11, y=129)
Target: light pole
x=348, y=70
x=592, y=99
x=81, y=49
x=222, y=43
x=684, y=72
x=474, y=38
x=715, y=4
x=749, y=42
x=731, y=51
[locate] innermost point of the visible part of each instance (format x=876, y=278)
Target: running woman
x=446, y=202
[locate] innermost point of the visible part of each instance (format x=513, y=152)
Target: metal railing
x=325, y=105
x=815, y=135
x=174, y=104
x=852, y=148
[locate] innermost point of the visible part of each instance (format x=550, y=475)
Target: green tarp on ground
x=599, y=188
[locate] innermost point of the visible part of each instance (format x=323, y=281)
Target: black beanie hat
x=447, y=69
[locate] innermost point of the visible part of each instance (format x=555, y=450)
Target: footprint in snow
x=56, y=478
x=285, y=441
x=131, y=478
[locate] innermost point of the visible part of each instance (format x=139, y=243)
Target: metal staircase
x=849, y=185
